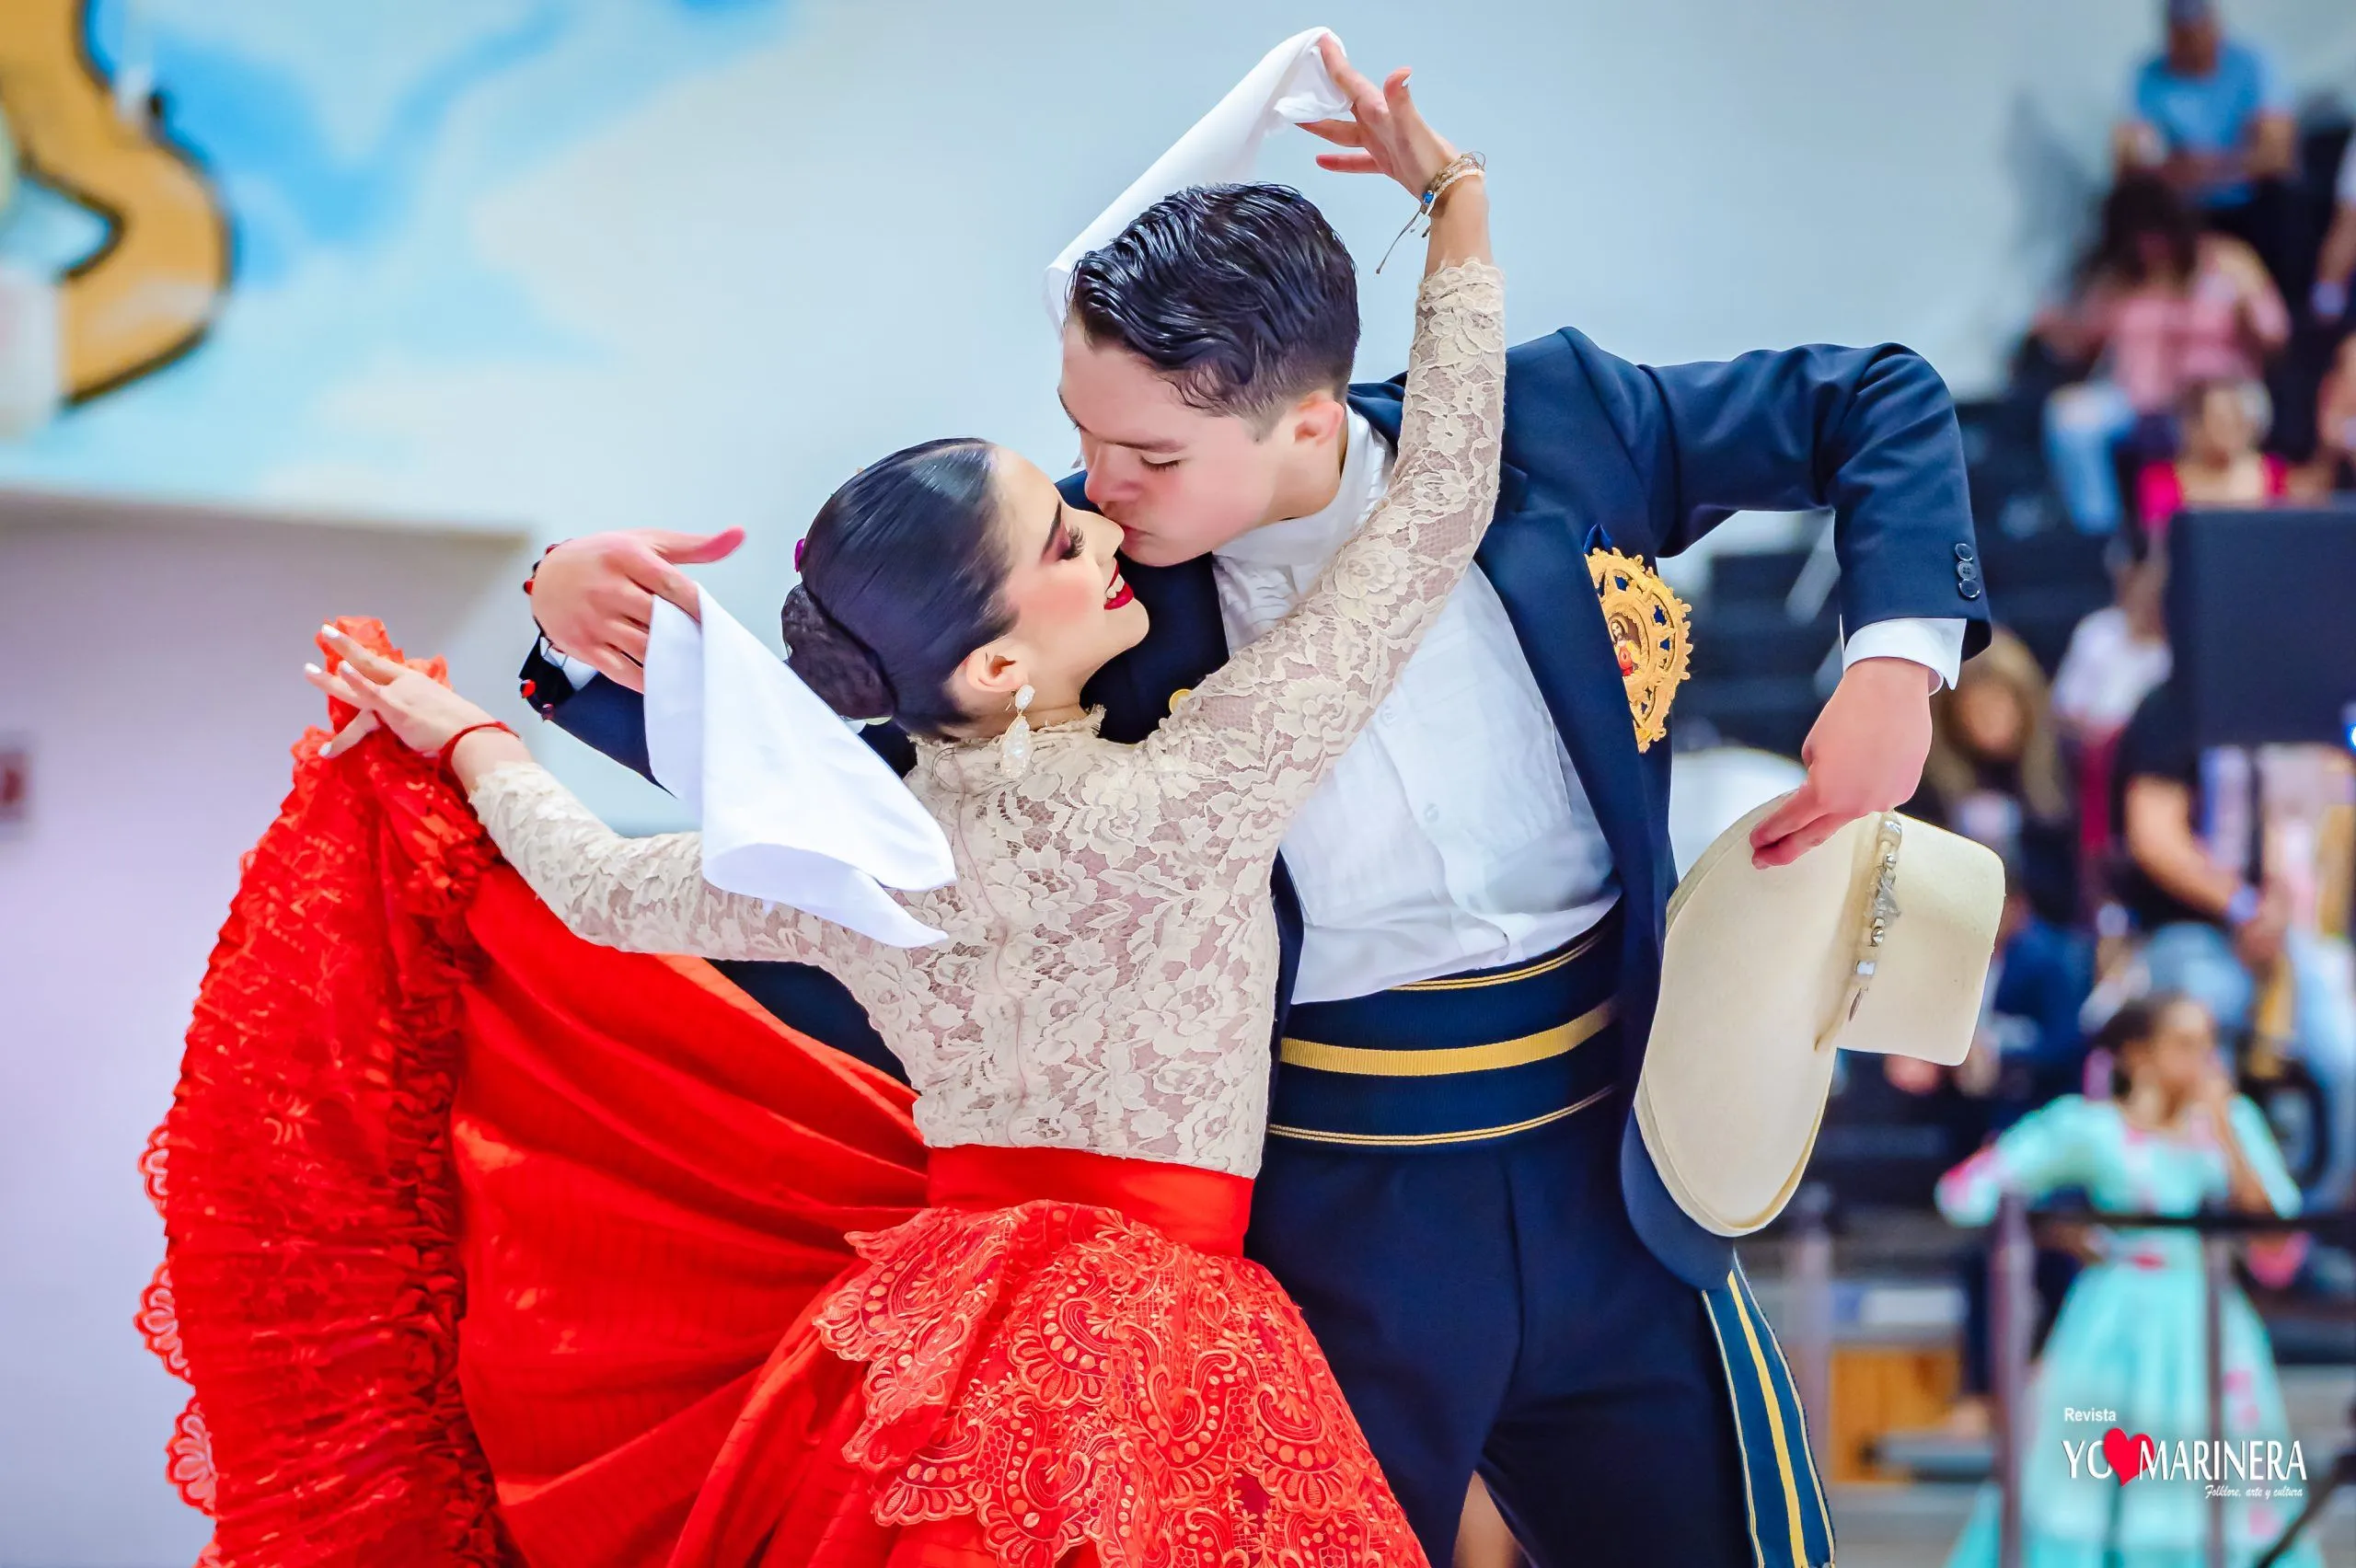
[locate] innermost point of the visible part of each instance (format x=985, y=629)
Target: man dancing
x=1473, y=906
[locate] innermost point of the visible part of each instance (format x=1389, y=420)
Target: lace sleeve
x=648, y=895
x=1268, y=725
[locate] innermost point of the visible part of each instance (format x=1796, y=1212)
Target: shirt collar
x=1312, y=541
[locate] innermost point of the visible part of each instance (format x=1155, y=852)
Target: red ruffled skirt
x=704, y=1309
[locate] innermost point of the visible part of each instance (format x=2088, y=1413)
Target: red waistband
x=1206, y=1210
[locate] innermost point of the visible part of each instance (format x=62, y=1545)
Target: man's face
x=2192, y=46
x=1181, y=481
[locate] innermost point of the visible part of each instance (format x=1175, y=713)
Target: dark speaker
x=2261, y=609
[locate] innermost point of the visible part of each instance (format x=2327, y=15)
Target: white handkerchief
x=794, y=806
x=1288, y=87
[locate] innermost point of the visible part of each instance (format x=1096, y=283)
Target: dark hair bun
x=901, y=581
x=831, y=661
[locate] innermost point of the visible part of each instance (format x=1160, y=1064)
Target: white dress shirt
x=1455, y=835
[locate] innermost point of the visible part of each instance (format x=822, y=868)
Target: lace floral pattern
x=1109, y=973
x=1065, y=1376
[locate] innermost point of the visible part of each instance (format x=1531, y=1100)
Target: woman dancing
x=2128, y=1342
x=1063, y=1358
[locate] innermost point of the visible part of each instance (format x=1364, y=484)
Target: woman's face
x=2156, y=251
x=1989, y=721
x=2180, y=1053
x=2223, y=429
x=1073, y=610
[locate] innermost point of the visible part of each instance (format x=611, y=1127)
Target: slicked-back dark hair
x=1242, y=295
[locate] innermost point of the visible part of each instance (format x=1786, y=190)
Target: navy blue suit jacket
x=1598, y=452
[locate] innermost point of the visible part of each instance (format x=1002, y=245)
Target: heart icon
x=2128, y=1456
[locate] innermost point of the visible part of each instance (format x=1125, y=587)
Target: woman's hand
x=2212, y=1101
x=2213, y=1090
x=1385, y=127
x=420, y=710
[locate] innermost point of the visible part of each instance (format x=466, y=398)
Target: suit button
x=1965, y=571
x=1181, y=694
x=1963, y=552
x=1968, y=588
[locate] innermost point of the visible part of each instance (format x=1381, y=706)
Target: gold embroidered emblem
x=1651, y=636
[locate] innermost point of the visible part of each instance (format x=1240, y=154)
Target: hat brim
x=1756, y=995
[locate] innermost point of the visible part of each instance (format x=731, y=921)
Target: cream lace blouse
x=1108, y=981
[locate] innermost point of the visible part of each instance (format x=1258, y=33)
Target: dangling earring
x=1014, y=744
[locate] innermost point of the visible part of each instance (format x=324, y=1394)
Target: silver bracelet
x=1458, y=167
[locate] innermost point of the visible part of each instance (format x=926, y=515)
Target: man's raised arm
x=1869, y=434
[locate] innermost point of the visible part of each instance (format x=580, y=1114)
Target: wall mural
x=227, y=223
x=144, y=295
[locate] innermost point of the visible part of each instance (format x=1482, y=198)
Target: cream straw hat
x=1878, y=939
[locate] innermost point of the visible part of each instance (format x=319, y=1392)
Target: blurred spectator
x=2160, y=306
x=2116, y=655
x=1994, y=772
x=2337, y=264
x=2028, y=1048
x=2221, y=425
x=2333, y=465
x=2037, y=988
x=2218, y=933
x=2213, y=116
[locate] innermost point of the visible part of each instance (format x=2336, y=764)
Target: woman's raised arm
x=636, y=895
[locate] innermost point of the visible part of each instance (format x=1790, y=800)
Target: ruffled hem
x=1068, y=1378
x=311, y=1291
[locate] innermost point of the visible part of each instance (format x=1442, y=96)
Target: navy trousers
x=1490, y=1308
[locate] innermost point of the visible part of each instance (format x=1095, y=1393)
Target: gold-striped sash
x=1445, y=1061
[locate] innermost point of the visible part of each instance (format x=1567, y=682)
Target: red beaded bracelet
x=450, y=746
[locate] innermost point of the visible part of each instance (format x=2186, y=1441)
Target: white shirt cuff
x=1935, y=644
x=580, y=672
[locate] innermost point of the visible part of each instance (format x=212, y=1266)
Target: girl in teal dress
x=2128, y=1348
